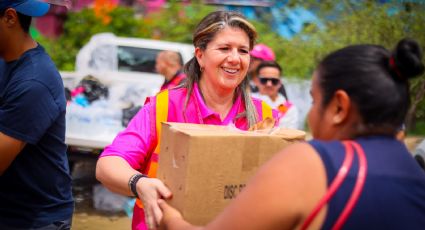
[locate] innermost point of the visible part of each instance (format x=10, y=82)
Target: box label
x=232, y=190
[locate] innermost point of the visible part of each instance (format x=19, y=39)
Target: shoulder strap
x=336, y=183
x=161, y=114
x=358, y=187
x=266, y=110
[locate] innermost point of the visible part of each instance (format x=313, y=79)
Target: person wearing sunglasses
x=259, y=53
x=269, y=73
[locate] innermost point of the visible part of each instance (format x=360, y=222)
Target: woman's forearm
x=114, y=172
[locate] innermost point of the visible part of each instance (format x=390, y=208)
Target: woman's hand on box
x=150, y=190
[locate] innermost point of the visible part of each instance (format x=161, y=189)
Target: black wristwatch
x=133, y=181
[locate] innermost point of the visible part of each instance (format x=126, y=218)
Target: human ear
x=199, y=54
x=341, y=107
x=10, y=17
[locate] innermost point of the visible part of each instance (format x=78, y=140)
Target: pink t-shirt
x=139, y=139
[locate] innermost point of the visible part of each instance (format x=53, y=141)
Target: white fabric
x=420, y=149
x=290, y=118
x=99, y=54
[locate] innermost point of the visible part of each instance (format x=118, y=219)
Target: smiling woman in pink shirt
x=215, y=93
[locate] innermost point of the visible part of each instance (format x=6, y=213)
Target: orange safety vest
x=162, y=116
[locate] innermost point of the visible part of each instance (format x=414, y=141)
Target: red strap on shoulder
x=336, y=183
x=358, y=187
x=341, y=175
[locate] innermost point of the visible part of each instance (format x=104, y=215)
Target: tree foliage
x=80, y=26
x=354, y=22
x=174, y=23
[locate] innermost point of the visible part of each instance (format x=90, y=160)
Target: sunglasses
x=264, y=80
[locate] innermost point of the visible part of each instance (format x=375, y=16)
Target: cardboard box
x=207, y=166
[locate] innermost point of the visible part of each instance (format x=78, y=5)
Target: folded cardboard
x=207, y=166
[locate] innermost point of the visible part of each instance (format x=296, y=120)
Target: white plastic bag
x=105, y=200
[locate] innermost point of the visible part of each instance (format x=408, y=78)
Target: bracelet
x=133, y=181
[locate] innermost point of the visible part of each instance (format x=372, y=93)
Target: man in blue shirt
x=35, y=183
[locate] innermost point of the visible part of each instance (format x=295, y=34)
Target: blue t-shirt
x=36, y=188
x=393, y=195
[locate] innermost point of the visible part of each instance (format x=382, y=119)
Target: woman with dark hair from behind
x=354, y=173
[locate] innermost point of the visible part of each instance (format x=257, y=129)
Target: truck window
x=136, y=59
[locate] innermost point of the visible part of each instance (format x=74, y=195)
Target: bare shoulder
x=300, y=152
x=296, y=163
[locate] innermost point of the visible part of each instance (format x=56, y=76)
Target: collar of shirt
x=206, y=112
x=176, y=75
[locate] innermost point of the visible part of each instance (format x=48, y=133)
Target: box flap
x=216, y=130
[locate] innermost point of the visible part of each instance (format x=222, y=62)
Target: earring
x=336, y=119
x=201, y=69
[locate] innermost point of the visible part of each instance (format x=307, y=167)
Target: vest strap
x=266, y=110
x=161, y=116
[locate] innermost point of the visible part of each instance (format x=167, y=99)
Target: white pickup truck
x=126, y=66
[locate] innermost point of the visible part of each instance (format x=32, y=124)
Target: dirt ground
x=98, y=221
x=413, y=141
x=88, y=218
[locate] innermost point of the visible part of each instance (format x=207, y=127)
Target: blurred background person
x=269, y=75
x=259, y=53
x=169, y=64
x=354, y=174
x=215, y=92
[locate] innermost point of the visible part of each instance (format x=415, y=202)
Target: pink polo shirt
x=139, y=139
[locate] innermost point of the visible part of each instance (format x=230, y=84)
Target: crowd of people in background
x=360, y=100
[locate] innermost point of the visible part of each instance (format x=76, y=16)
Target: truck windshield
x=136, y=59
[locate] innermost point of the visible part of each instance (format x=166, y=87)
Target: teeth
x=230, y=70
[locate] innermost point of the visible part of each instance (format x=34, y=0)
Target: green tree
x=354, y=22
x=81, y=26
x=176, y=22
